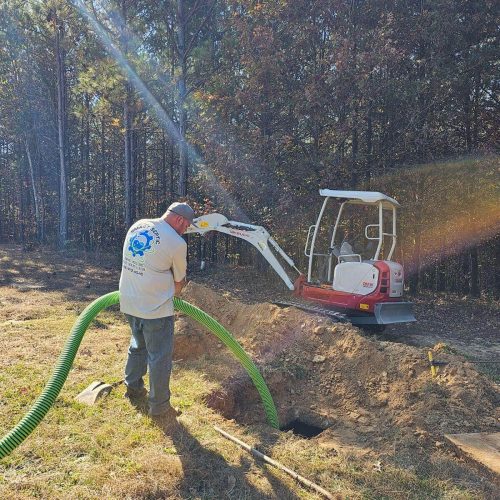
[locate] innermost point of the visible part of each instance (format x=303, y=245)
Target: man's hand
x=179, y=285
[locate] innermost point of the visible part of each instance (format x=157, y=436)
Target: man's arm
x=179, y=265
x=179, y=285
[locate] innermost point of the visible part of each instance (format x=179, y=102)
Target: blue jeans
x=151, y=346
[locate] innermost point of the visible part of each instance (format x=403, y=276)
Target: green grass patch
x=114, y=450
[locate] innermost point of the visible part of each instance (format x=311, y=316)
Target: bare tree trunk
x=369, y=148
x=88, y=192
x=145, y=167
x=2, y=195
x=467, y=120
x=214, y=257
x=496, y=267
x=34, y=188
x=415, y=281
x=22, y=204
x=473, y=252
x=113, y=207
x=61, y=112
x=475, y=111
x=38, y=176
x=163, y=173
x=128, y=157
x=440, y=267
x=474, y=273
x=186, y=36
x=354, y=108
x=127, y=122
x=172, y=170
x=354, y=162
x=83, y=215
x=183, y=151
x=465, y=283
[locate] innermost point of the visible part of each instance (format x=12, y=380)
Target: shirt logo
x=140, y=243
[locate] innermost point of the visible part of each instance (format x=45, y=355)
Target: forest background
x=111, y=110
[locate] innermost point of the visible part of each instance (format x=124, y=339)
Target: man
x=346, y=248
x=153, y=271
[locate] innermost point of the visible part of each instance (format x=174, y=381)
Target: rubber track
x=333, y=315
x=61, y=370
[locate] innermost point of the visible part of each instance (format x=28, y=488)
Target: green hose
x=230, y=342
x=44, y=402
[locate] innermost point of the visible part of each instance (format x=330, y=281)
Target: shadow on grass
x=206, y=472
x=83, y=277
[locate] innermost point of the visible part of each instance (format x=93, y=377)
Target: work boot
x=132, y=394
x=166, y=419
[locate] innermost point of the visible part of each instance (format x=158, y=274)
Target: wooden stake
x=269, y=460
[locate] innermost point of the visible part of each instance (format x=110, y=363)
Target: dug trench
x=346, y=391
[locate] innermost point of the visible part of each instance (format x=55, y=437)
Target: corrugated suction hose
x=42, y=405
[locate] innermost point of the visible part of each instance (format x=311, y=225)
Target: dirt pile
x=367, y=394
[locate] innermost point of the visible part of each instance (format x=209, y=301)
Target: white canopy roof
x=361, y=197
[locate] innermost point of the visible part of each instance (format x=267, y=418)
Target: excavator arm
x=255, y=235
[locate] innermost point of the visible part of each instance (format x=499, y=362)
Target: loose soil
x=368, y=394
x=466, y=325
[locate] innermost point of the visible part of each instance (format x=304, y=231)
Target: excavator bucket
x=387, y=313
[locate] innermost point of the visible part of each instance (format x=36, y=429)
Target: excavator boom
x=255, y=235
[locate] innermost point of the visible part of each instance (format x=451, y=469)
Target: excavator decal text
x=240, y=234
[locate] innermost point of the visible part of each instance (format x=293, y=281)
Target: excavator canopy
x=361, y=197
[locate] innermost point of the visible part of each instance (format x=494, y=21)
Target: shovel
x=96, y=390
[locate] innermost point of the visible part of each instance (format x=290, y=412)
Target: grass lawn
x=114, y=450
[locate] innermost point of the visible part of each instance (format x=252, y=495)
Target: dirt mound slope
x=370, y=396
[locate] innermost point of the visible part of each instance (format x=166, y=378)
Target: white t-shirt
x=154, y=256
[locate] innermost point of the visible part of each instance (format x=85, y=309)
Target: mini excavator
x=362, y=286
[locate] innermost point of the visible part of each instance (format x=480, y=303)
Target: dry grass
x=114, y=450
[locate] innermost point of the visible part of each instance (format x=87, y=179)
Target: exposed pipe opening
x=303, y=429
